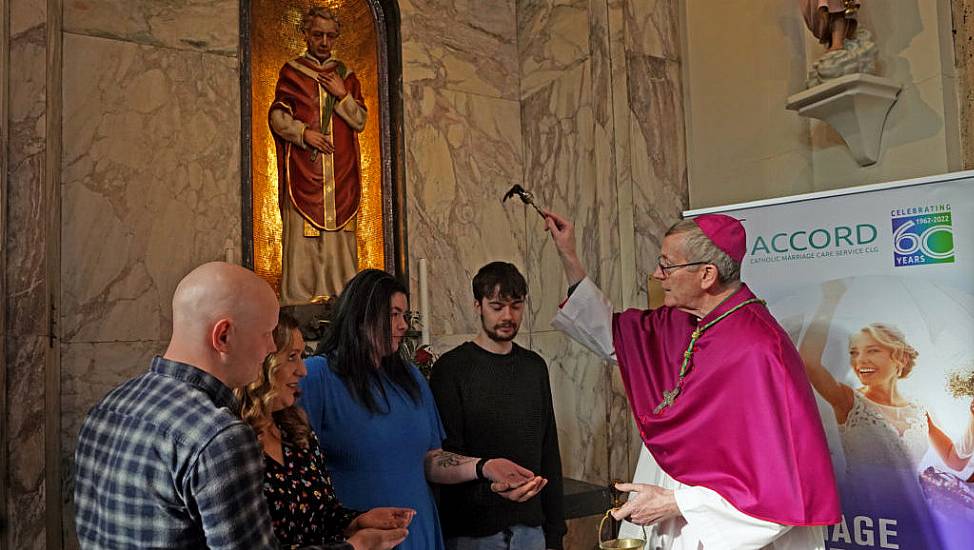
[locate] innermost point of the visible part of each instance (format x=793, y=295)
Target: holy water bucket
x=619, y=544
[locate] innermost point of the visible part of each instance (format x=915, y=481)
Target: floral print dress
x=302, y=502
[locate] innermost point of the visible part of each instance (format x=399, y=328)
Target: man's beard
x=493, y=335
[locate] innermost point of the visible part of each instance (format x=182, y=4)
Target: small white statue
x=850, y=47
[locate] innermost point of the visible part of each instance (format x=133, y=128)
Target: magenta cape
x=745, y=424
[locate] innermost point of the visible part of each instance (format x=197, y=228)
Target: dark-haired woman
x=376, y=418
x=302, y=503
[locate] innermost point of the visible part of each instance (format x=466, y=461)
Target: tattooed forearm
x=446, y=459
x=445, y=467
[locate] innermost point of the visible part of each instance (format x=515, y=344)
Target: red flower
x=424, y=356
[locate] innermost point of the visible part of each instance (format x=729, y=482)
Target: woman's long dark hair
x=360, y=335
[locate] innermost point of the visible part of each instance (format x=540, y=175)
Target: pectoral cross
x=668, y=398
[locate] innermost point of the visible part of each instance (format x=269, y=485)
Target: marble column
x=657, y=166
x=601, y=111
x=463, y=150
x=561, y=99
x=27, y=287
x=558, y=106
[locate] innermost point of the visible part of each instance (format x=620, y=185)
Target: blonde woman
x=884, y=433
x=880, y=357
x=298, y=489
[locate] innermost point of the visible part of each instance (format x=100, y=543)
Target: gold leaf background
x=275, y=39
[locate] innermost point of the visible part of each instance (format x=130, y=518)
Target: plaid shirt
x=164, y=461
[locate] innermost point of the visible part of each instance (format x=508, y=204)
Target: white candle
x=228, y=251
x=424, y=301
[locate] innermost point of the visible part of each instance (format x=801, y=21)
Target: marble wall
x=463, y=147
x=150, y=183
x=578, y=100
x=655, y=184
x=558, y=104
x=583, y=107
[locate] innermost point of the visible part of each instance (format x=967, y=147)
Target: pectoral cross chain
x=670, y=396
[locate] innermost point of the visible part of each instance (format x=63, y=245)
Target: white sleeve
x=352, y=112
x=288, y=127
x=720, y=526
x=965, y=447
x=586, y=317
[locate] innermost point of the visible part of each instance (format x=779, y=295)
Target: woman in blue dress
x=376, y=420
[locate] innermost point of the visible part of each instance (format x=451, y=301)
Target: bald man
x=164, y=460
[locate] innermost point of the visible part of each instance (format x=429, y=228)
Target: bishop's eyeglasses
x=665, y=269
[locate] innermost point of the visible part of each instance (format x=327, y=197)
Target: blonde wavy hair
x=894, y=340
x=257, y=397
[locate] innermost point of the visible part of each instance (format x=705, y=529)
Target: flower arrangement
x=424, y=358
x=413, y=350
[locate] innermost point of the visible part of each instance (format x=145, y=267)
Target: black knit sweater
x=498, y=406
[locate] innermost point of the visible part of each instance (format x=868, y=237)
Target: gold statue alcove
x=363, y=48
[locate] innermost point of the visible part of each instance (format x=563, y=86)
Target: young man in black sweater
x=495, y=402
